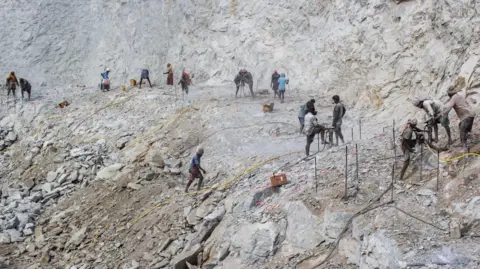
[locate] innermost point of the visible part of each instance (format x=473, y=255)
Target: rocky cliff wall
x=375, y=53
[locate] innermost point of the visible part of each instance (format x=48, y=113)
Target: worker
x=465, y=114
x=274, y=83
x=310, y=105
x=244, y=77
x=12, y=84
x=195, y=170
x=433, y=108
x=145, y=75
x=338, y=113
x=185, y=81
x=282, y=84
x=26, y=87
x=105, y=84
x=408, y=143
x=169, y=74
x=311, y=129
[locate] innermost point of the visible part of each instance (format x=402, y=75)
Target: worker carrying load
x=195, y=170
x=185, y=81
x=144, y=75
x=105, y=84
x=26, y=87
x=243, y=77
x=12, y=84
x=434, y=108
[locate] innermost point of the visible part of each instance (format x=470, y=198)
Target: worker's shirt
x=310, y=123
x=275, y=77
x=303, y=110
x=338, y=113
x=282, y=83
x=407, y=138
x=105, y=75
x=433, y=107
x=459, y=103
x=170, y=70
x=195, y=163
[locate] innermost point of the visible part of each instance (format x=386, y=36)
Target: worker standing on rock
x=465, y=114
x=145, y=75
x=26, y=87
x=274, y=83
x=169, y=74
x=282, y=84
x=408, y=143
x=310, y=105
x=12, y=84
x=434, y=108
x=338, y=113
x=196, y=170
x=185, y=81
x=311, y=129
x=105, y=85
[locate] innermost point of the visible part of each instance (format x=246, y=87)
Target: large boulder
x=258, y=241
x=380, y=251
x=333, y=223
x=300, y=218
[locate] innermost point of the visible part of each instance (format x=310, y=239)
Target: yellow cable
x=253, y=167
x=454, y=158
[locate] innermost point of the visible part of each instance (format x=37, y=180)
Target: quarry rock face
x=368, y=51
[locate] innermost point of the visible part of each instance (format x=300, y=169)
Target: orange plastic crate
x=278, y=180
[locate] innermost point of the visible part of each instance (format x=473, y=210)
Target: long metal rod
x=360, y=127
x=421, y=162
x=438, y=167
x=356, y=155
x=346, y=172
x=316, y=182
x=393, y=142
x=318, y=142
x=352, y=134
x=393, y=178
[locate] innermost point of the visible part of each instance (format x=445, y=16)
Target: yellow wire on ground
x=159, y=127
x=228, y=182
x=454, y=158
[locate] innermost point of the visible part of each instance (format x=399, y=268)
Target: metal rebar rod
x=438, y=167
x=393, y=177
x=421, y=162
x=360, y=127
x=346, y=172
x=393, y=142
x=316, y=182
x=318, y=142
x=356, y=150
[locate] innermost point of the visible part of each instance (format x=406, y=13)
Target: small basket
x=268, y=108
x=133, y=83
